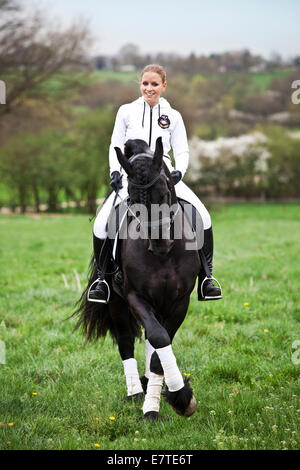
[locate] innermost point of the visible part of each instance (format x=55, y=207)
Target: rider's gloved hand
x=176, y=176
x=116, y=180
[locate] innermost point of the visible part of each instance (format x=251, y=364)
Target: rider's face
x=152, y=87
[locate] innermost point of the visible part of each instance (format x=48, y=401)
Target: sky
x=184, y=26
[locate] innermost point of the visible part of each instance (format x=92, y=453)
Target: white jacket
x=137, y=120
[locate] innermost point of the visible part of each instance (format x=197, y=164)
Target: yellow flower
x=34, y=393
x=97, y=445
x=10, y=424
x=246, y=304
x=266, y=330
x=112, y=418
x=186, y=375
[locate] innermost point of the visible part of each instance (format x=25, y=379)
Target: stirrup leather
x=97, y=300
x=209, y=297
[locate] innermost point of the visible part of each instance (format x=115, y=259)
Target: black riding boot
x=100, y=290
x=209, y=290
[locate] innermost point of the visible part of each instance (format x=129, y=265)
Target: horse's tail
x=94, y=317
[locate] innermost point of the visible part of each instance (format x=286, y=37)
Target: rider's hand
x=176, y=176
x=116, y=180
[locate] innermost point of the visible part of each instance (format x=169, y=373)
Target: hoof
x=153, y=416
x=136, y=397
x=190, y=409
x=183, y=401
x=144, y=382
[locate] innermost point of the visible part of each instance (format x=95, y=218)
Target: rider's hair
x=157, y=69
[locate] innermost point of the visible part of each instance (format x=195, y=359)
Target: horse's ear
x=124, y=162
x=158, y=154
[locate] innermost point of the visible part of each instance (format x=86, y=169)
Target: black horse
x=159, y=274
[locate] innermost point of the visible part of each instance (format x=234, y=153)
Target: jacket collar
x=162, y=102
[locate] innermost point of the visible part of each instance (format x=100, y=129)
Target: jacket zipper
x=150, y=132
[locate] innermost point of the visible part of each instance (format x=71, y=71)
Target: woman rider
x=148, y=118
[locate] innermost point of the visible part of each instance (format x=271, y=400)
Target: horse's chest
x=159, y=280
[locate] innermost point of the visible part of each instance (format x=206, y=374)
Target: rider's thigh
x=184, y=192
x=99, y=228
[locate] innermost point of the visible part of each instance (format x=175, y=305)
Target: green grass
x=239, y=356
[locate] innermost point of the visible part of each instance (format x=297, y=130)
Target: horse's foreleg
x=163, y=355
x=155, y=380
x=183, y=400
x=149, y=350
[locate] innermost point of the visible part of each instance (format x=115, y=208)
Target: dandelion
x=97, y=445
x=34, y=393
x=246, y=304
x=266, y=330
x=112, y=418
x=10, y=424
x=186, y=375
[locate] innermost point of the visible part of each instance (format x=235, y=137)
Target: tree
x=91, y=162
x=32, y=51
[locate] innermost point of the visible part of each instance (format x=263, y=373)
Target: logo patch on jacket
x=164, y=121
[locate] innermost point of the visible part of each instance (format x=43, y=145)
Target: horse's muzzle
x=160, y=247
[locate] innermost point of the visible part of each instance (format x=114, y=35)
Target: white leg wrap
x=132, y=377
x=152, y=398
x=149, y=350
x=172, y=374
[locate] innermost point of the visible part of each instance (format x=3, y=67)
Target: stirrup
x=98, y=300
x=209, y=297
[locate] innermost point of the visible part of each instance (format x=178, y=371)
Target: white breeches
x=182, y=191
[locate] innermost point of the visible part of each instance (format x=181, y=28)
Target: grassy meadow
x=59, y=393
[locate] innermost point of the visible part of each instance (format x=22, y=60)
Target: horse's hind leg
x=125, y=337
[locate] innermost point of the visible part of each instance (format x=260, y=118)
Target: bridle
x=164, y=172
x=152, y=182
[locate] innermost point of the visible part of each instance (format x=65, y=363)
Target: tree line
x=56, y=125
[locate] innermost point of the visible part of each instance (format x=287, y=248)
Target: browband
x=131, y=159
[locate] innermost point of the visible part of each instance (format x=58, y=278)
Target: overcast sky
x=185, y=26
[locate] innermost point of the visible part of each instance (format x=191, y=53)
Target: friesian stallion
x=158, y=276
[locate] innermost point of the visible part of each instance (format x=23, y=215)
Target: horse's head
x=150, y=186
x=147, y=182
